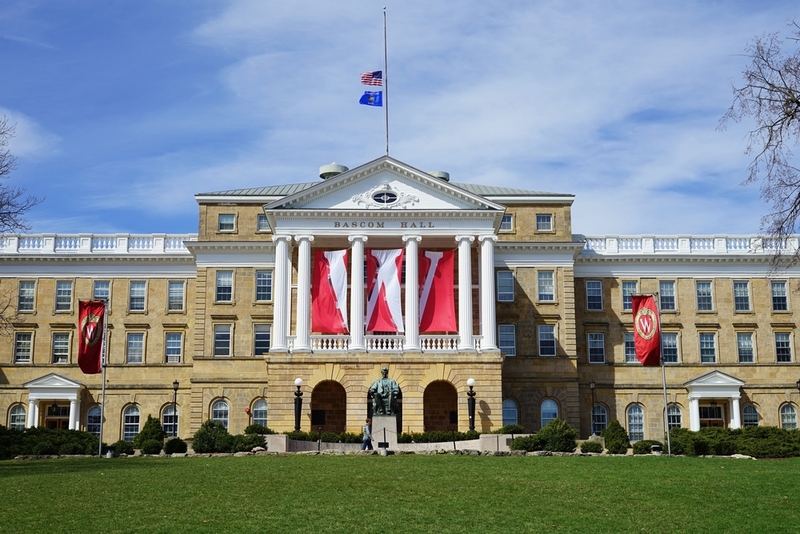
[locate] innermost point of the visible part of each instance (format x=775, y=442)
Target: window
x=23, y=345
x=224, y=286
x=594, y=295
x=16, y=419
x=597, y=348
x=169, y=420
x=507, y=223
x=549, y=411
x=219, y=412
x=262, y=225
x=788, y=417
x=507, y=339
x=630, y=348
x=261, y=339
x=666, y=291
x=674, y=418
x=63, y=295
x=135, y=353
x=744, y=344
x=635, y=423
x=750, y=416
x=263, y=286
x=94, y=420
x=27, y=290
x=779, y=301
x=226, y=222
x=741, y=296
x=547, y=340
x=175, y=295
x=510, y=412
x=101, y=290
x=704, y=300
x=783, y=347
x=130, y=426
x=61, y=347
x=599, y=419
x=173, y=347
x=544, y=222
x=222, y=340
x=505, y=286
x=669, y=347
x=547, y=291
x=708, y=348
x=136, y=295
x=629, y=288
x=260, y=412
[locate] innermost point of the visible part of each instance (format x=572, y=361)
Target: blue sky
x=125, y=110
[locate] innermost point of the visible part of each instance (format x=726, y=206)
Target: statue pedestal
x=389, y=424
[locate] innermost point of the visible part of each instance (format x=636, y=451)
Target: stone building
x=219, y=325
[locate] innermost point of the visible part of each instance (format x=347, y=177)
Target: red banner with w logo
x=329, y=292
x=646, y=330
x=436, y=299
x=91, y=314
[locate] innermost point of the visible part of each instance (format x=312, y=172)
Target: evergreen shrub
x=258, y=429
x=123, y=447
x=436, y=436
x=71, y=447
x=20, y=442
x=616, y=438
x=150, y=431
x=592, y=446
x=247, y=442
x=175, y=446
x=527, y=443
x=44, y=448
x=645, y=446
x=150, y=446
x=558, y=436
x=212, y=437
x=510, y=429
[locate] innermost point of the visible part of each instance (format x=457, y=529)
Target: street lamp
x=592, y=385
x=298, y=403
x=471, y=404
x=175, y=386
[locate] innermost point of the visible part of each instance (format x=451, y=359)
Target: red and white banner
x=329, y=292
x=646, y=330
x=436, y=292
x=384, y=311
x=91, y=314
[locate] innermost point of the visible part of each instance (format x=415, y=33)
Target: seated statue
x=384, y=393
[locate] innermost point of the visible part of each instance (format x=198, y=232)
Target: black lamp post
x=175, y=386
x=592, y=385
x=471, y=404
x=298, y=403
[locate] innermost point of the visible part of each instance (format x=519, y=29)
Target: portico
x=53, y=390
x=708, y=390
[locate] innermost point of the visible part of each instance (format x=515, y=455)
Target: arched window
x=549, y=411
x=674, y=418
x=169, y=420
x=788, y=417
x=16, y=419
x=130, y=426
x=510, y=412
x=93, y=420
x=750, y=416
x=635, y=423
x=599, y=419
x=219, y=412
x=260, y=412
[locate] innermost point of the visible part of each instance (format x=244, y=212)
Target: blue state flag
x=372, y=98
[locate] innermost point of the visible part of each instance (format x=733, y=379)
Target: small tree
x=151, y=431
x=616, y=438
x=212, y=437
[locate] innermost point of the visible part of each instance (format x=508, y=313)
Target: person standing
x=366, y=444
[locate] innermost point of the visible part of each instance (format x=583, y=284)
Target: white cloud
x=30, y=140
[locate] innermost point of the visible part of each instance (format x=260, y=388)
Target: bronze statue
x=384, y=393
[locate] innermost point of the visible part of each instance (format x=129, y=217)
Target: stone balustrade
x=95, y=244
x=685, y=244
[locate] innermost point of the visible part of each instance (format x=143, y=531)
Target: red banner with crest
x=329, y=292
x=646, y=330
x=91, y=314
x=436, y=298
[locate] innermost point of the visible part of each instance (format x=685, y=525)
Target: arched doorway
x=329, y=407
x=440, y=405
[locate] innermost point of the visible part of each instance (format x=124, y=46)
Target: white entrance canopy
x=714, y=385
x=54, y=387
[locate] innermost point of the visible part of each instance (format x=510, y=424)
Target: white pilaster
x=465, y=292
x=357, y=292
x=694, y=414
x=302, y=341
x=412, y=292
x=74, y=411
x=280, y=304
x=487, y=285
x=736, y=417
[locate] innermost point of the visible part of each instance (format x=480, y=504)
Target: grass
x=400, y=494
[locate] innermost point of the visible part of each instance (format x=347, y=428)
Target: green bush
x=591, y=446
x=351, y=437
x=527, y=443
x=435, y=436
x=71, y=447
x=122, y=447
x=616, y=438
x=246, y=442
x=151, y=446
x=212, y=437
x=510, y=429
x=258, y=429
x=44, y=448
x=150, y=431
x=19, y=442
x=175, y=446
x=645, y=446
x=558, y=436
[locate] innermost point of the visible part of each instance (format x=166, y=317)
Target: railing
x=687, y=245
x=322, y=343
x=95, y=244
x=384, y=343
x=442, y=343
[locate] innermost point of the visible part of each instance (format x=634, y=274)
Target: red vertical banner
x=384, y=309
x=91, y=314
x=646, y=330
x=436, y=292
x=329, y=292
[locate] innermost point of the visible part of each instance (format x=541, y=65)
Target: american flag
x=372, y=78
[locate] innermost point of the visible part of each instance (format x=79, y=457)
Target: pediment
x=52, y=381
x=715, y=379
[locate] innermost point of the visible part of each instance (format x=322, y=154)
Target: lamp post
x=471, y=404
x=592, y=385
x=175, y=386
x=298, y=403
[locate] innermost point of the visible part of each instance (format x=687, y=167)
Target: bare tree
x=13, y=201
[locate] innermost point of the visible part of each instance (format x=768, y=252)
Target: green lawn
x=406, y=493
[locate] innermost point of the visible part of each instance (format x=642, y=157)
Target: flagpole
x=663, y=378
x=385, y=83
x=103, y=394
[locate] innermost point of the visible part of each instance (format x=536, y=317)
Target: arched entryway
x=440, y=405
x=329, y=407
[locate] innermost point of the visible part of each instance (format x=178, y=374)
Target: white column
x=288, y=293
x=412, y=292
x=280, y=304
x=736, y=417
x=302, y=342
x=694, y=414
x=465, y=292
x=357, y=292
x=487, y=285
x=74, y=414
x=32, y=415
